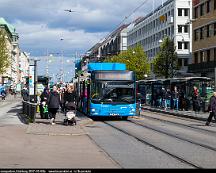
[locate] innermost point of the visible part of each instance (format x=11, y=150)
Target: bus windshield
x=113, y=92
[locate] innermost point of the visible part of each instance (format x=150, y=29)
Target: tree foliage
x=135, y=60
x=4, y=56
x=166, y=61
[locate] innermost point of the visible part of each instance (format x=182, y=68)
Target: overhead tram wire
x=126, y=17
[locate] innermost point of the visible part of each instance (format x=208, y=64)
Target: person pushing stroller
x=70, y=106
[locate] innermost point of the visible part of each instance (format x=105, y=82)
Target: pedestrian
x=175, y=96
x=182, y=105
x=70, y=97
x=43, y=102
x=212, y=109
x=163, y=98
x=53, y=104
x=3, y=94
x=25, y=94
x=168, y=97
x=62, y=95
x=196, y=100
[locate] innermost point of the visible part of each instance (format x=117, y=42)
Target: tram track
x=174, y=136
x=181, y=159
x=177, y=136
x=180, y=124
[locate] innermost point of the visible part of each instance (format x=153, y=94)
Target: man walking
x=212, y=109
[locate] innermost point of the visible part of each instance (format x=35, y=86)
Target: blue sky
x=41, y=24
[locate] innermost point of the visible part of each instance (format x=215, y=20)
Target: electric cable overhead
x=126, y=17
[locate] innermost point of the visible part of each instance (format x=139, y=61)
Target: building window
x=208, y=6
x=207, y=30
x=208, y=55
x=180, y=12
x=196, y=35
x=179, y=28
x=201, y=33
x=179, y=62
x=214, y=28
x=186, y=45
x=214, y=4
x=214, y=54
x=195, y=58
x=196, y=12
x=201, y=56
x=186, y=12
x=186, y=28
x=179, y=45
x=201, y=9
x=185, y=62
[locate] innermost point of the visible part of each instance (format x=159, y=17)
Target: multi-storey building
x=115, y=43
x=11, y=75
x=23, y=66
x=204, y=38
x=170, y=19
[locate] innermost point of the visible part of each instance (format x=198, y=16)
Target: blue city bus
x=109, y=90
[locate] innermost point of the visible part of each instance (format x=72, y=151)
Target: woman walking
x=70, y=97
x=53, y=104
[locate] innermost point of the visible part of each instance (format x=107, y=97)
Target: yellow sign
x=162, y=18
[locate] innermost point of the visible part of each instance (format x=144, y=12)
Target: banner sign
x=31, y=80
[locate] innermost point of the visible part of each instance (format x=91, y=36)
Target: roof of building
x=10, y=27
x=153, y=12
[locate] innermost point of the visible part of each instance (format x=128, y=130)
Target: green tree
x=4, y=56
x=135, y=60
x=166, y=61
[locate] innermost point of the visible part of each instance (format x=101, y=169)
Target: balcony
x=202, y=67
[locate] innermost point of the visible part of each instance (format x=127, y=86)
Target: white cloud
x=37, y=36
x=40, y=24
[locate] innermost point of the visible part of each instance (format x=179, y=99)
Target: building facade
x=115, y=43
x=170, y=19
x=11, y=76
x=23, y=67
x=204, y=38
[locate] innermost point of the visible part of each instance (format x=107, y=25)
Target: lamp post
x=35, y=79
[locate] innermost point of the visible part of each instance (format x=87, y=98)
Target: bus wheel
x=124, y=118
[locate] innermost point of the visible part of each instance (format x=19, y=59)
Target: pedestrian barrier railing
x=30, y=110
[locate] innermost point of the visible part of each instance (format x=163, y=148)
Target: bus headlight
x=133, y=110
x=93, y=110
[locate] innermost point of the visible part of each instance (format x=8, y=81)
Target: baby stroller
x=70, y=114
